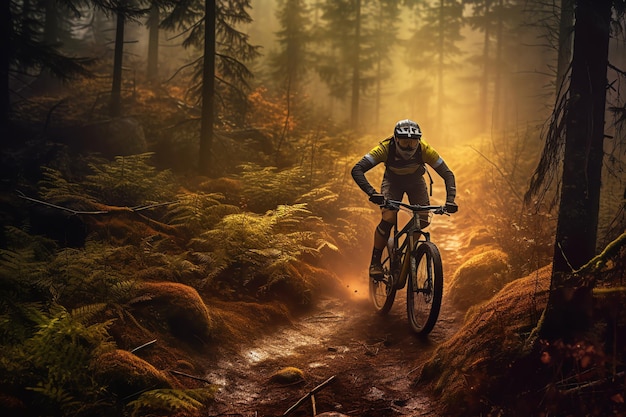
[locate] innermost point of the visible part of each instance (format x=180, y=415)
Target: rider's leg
x=383, y=230
x=388, y=219
x=418, y=194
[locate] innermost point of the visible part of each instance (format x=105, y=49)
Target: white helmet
x=406, y=135
x=407, y=129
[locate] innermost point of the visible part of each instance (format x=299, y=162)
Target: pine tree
x=356, y=40
x=433, y=47
x=221, y=72
x=26, y=52
x=291, y=62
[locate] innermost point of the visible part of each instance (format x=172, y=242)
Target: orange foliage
x=269, y=115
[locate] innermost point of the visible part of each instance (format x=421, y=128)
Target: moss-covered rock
x=181, y=308
x=288, y=375
x=479, y=278
x=126, y=374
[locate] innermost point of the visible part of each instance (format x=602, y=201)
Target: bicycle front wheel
x=382, y=290
x=425, y=288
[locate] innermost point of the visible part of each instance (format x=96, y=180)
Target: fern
x=23, y=266
x=127, y=181
x=264, y=188
x=54, y=361
x=198, y=211
x=171, y=400
x=55, y=188
x=130, y=181
x=92, y=273
x=266, y=248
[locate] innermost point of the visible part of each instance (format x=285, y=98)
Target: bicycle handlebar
x=396, y=205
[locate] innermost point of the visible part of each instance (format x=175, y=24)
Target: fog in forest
x=522, y=76
x=410, y=92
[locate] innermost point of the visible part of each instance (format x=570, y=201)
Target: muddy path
x=374, y=360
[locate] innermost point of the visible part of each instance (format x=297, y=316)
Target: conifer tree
x=26, y=52
x=578, y=139
x=356, y=40
x=212, y=26
x=291, y=62
x=433, y=47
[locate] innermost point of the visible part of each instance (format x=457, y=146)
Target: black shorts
x=395, y=186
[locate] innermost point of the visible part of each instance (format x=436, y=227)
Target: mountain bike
x=411, y=256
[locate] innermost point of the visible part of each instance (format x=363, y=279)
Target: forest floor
x=372, y=360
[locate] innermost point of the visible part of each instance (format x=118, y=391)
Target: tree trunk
x=576, y=233
x=116, y=88
x=498, y=113
x=153, y=43
x=484, y=114
x=566, y=23
x=208, y=92
x=5, y=101
x=356, y=82
x=582, y=165
x=440, y=98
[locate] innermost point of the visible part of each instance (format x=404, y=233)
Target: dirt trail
x=374, y=360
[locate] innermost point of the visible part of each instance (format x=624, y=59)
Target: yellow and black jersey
x=385, y=153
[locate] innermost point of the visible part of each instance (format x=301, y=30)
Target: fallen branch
x=69, y=210
x=592, y=383
x=309, y=395
x=114, y=210
x=143, y=346
x=197, y=378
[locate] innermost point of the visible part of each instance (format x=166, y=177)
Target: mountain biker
x=404, y=155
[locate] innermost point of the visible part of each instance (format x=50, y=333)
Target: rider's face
x=408, y=143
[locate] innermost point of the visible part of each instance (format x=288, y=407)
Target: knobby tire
x=383, y=292
x=425, y=289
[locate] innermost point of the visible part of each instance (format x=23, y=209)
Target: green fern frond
x=85, y=313
x=92, y=273
x=123, y=291
x=23, y=265
x=266, y=187
x=55, y=188
x=130, y=181
x=54, y=361
x=198, y=211
x=170, y=400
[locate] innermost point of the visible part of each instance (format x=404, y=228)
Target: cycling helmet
x=407, y=129
x=406, y=135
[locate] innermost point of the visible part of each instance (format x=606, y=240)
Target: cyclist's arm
x=448, y=177
x=358, y=174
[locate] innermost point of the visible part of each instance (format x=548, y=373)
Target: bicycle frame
x=409, y=235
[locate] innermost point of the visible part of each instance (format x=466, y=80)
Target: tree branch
x=500, y=172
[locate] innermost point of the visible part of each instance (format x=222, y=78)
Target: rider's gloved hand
x=377, y=198
x=451, y=207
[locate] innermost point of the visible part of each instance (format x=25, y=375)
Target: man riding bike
x=404, y=155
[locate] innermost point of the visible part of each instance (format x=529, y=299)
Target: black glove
x=451, y=207
x=378, y=199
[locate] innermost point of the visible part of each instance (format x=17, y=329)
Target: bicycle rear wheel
x=382, y=291
x=425, y=288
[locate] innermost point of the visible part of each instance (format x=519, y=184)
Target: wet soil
x=373, y=361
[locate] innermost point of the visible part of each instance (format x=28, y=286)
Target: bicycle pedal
x=377, y=278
